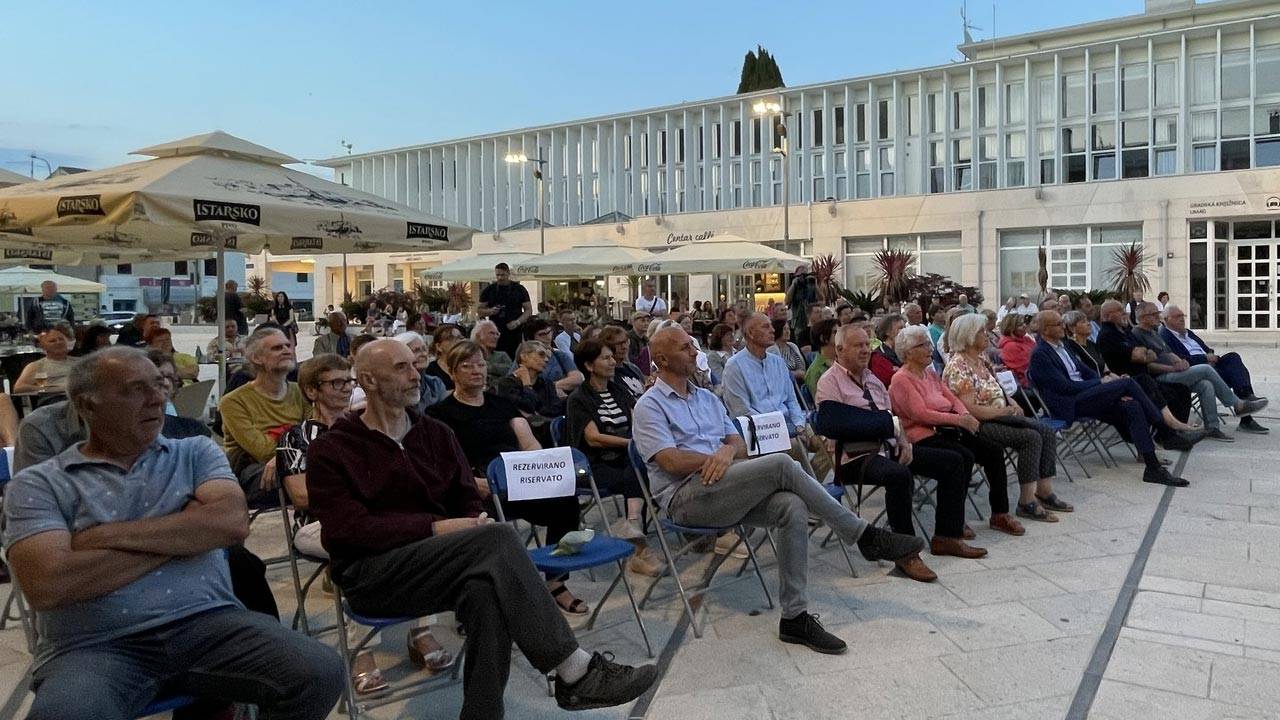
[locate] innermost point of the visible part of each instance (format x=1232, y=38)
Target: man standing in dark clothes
x=49, y=309
x=507, y=304
x=235, y=308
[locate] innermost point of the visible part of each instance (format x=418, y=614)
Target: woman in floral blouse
x=969, y=375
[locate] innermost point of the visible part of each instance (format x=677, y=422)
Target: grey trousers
x=1207, y=384
x=1033, y=442
x=772, y=492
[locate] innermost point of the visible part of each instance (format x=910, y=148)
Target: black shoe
x=1249, y=425
x=1249, y=407
x=1181, y=441
x=1160, y=476
x=606, y=684
x=1217, y=433
x=804, y=629
x=878, y=544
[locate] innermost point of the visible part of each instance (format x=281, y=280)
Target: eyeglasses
x=172, y=378
x=339, y=384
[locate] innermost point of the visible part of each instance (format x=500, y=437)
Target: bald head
x=673, y=351
x=385, y=369
x=757, y=331
x=338, y=321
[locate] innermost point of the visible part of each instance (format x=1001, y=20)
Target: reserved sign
x=766, y=433
x=539, y=474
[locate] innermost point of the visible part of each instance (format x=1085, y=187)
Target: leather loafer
x=914, y=568
x=969, y=534
x=955, y=547
x=1005, y=523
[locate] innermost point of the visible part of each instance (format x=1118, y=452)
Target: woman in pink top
x=1015, y=346
x=932, y=416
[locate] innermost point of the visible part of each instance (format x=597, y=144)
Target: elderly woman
x=969, y=375
x=932, y=416
x=993, y=337
x=626, y=372
x=485, y=334
x=159, y=338
x=441, y=340
x=1016, y=346
x=719, y=350
x=530, y=391
x=431, y=388
x=884, y=359
x=49, y=373
x=787, y=350
x=486, y=426
x=598, y=422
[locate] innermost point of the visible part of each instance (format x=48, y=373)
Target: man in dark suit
x=1071, y=391
x=1187, y=345
x=1125, y=355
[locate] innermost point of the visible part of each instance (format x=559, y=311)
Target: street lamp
x=520, y=159
x=777, y=108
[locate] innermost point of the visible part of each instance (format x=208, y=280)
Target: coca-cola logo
x=80, y=205
x=619, y=269
x=227, y=211
x=648, y=267
x=27, y=254
x=199, y=239
x=755, y=265
x=427, y=231
x=306, y=243
x=526, y=269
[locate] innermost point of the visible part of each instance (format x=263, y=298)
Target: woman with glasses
x=932, y=416
x=486, y=426
x=530, y=391
x=326, y=382
x=175, y=427
x=626, y=372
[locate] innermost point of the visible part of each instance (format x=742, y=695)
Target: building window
x=961, y=157
x=662, y=149
x=986, y=106
x=179, y=267
x=1204, y=89
x=125, y=269
x=1235, y=75
x=1104, y=91
x=1204, y=126
x=701, y=144
x=1235, y=123
x=937, y=111
x=715, y=141
x=644, y=150
x=626, y=152
x=1078, y=257
x=1166, y=83
x=1073, y=95
x=302, y=278
x=1235, y=155
x=939, y=254
x=862, y=169
x=987, y=167
x=756, y=130
x=1014, y=103
x=1073, y=154
x=1044, y=99
x=1204, y=158
x=886, y=172
x=860, y=122
x=817, y=128
x=960, y=109
x=839, y=121
x=913, y=114
x=715, y=187
x=1015, y=152
x=1266, y=76
x=1133, y=89
x=885, y=115
x=211, y=267
x=937, y=167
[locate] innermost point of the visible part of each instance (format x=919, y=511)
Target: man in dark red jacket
x=402, y=521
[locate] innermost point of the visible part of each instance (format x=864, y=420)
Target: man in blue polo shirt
x=698, y=470
x=118, y=543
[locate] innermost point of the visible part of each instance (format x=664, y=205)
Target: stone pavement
x=1014, y=635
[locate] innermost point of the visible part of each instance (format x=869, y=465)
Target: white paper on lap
x=538, y=474
x=770, y=436
x=1008, y=381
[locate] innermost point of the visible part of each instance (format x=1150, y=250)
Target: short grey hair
x=911, y=335
x=1070, y=319
x=529, y=347
x=656, y=326
x=409, y=336
x=82, y=379
x=1170, y=308
x=254, y=343
x=475, y=331
x=844, y=330
x=965, y=330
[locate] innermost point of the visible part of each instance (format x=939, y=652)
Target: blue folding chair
x=557, y=431
x=602, y=550
x=666, y=524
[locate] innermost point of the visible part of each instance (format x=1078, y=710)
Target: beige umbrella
x=584, y=261
x=9, y=177
x=23, y=280
x=726, y=254
x=477, y=267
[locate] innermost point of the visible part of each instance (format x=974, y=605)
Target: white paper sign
x=1008, y=381
x=538, y=474
x=770, y=433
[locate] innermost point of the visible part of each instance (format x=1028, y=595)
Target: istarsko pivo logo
x=27, y=254
x=80, y=205
x=227, y=211
x=427, y=231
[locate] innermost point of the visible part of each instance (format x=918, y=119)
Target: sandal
x=1052, y=502
x=368, y=682
x=577, y=607
x=1035, y=511
x=426, y=653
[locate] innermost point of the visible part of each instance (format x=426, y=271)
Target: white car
x=115, y=319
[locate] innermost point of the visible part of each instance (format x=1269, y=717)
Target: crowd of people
x=125, y=523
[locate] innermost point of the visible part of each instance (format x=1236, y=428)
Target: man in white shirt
x=1024, y=306
x=569, y=336
x=649, y=302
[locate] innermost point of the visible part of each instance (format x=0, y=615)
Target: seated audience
x=432, y=388
x=488, y=425
x=529, y=391
x=1187, y=345
x=8, y=421
x=698, y=471
x=824, y=339
x=175, y=426
x=1025, y=306
x=719, y=350
x=1072, y=390
x=894, y=464
x=1126, y=356
x=407, y=535
x=932, y=416
x=568, y=335
x=993, y=339
x=598, y=422
x=499, y=363
x=131, y=587
x=95, y=337
x=804, y=337
x=787, y=350
x=133, y=333
x=161, y=339
x=913, y=313
x=235, y=343
x=441, y=340
x=626, y=372
x=49, y=373
x=1002, y=422
x=638, y=338
x=1203, y=379
x=559, y=370
x=1015, y=346
x=255, y=415
x=884, y=359
x=338, y=340
x=1005, y=309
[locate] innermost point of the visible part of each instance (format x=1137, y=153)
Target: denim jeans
x=1207, y=384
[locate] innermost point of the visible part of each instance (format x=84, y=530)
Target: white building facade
x=1162, y=128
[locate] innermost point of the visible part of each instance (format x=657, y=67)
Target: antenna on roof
x=964, y=20
x=346, y=145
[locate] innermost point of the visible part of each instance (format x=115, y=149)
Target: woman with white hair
x=431, y=388
x=1001, y=421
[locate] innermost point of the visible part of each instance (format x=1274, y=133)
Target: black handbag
x=843, y=422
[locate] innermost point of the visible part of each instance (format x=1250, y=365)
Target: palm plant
x=1127, y=274
x=826, y=268
x=459, y=296
x=895, y=268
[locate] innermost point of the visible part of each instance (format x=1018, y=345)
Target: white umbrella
x=477, y=267
x=731, y=255
x=216, y=192
x=584, y=261
x=23, y=280
x=8, y=177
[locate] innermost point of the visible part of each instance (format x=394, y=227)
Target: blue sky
x=85, y=83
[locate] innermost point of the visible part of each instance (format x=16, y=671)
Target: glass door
x=1256, y=271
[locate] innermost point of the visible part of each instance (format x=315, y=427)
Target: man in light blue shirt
x=757, y=382
x=119, y=545
x=698, y=469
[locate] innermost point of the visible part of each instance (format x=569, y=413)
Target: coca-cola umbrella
x=215, y=192
x=725, y=254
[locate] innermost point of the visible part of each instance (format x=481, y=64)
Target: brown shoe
x=969, y=534
x=914, y=568
x=956, y=547
x=1005, y=523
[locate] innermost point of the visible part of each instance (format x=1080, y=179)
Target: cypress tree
x=750, y=72
x=759, y=72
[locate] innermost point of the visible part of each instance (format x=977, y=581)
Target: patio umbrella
x=215, y=192
x=23, y=280
x=584, y=261
x=477, y=267
x=729, y=255
x=9, y=177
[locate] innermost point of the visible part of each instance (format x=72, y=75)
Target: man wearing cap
x=507, y=304
x=1024, y=306
x=638, y=335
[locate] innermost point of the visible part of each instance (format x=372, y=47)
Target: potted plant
x=895, y=269
x=1127, y=273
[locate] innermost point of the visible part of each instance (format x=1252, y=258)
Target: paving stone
x=1262, y=635
x=1186, y=623
x=747, y=703
x=709, y=663
x=1001, y=585
x=876, y=642
x=1184, y=544
x=1122, y=701
x=1249, y=682
x=1077, y=613
x=1242, y=596
x=1119, y=541
x=912, y=689
x=1140, y=662
x=911, y=599
x=1054, y=708
x=1145, y=599
x=1075, y=576
x=1170, y=585
x=1238, y=610
x=1182, y=641
x=1250, y=576
x=1023, y=672
x=989, y=626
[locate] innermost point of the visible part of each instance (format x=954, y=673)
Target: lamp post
x=520, y=159
x=777, y=108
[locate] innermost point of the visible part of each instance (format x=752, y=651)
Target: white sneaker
x=727, y=540
x=626, y=529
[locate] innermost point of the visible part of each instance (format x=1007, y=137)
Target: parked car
x=115, y=319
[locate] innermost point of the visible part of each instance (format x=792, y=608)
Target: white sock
x=574, y=666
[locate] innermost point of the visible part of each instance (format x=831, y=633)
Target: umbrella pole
x=344, y=281
x=222, y=320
